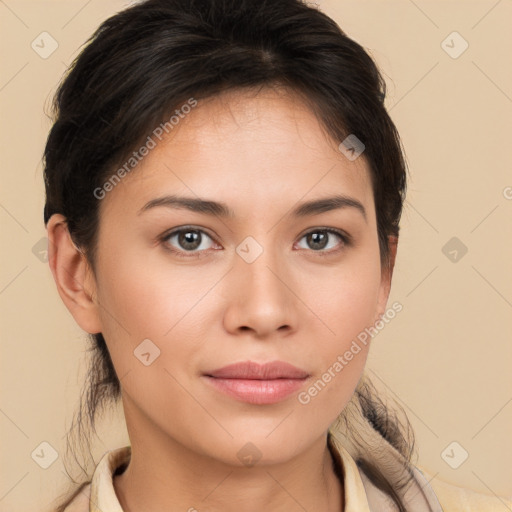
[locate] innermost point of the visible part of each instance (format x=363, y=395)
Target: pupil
x=319, y=239
x=188, y=239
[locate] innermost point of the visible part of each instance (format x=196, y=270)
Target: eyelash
x=346, y=241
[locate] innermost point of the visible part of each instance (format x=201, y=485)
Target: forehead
x=244, y=147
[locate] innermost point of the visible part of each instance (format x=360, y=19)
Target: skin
x=261, y=154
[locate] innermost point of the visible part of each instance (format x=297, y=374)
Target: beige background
x=446, y=359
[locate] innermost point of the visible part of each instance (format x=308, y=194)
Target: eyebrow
x=220, y=209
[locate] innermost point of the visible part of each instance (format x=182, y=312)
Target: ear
x=73, y=276
x=386, y=276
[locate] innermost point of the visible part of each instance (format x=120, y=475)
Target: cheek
x=146, y=294
x=156, y=300
x=346, y=303
x=345, y=299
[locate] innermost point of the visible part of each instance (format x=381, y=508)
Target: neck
x=163, y=474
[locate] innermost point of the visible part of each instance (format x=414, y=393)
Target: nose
x=261, y=298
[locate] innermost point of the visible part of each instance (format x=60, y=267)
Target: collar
x=361, y=495
x=103, y=496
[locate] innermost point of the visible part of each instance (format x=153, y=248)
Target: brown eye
x=321, y=239
x=187, y=240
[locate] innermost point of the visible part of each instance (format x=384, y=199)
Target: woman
x=224, y=189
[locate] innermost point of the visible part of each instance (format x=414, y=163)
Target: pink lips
x=258, y=384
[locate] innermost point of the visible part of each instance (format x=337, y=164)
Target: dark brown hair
x=146, y=61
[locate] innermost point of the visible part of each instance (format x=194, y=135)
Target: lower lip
x=257, y=391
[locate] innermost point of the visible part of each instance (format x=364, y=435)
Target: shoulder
x=81, y=501
x=460, y=499
x=100, y=490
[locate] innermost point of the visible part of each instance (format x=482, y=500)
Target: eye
x=192, y=242
x=319, y=240
x=187, y=240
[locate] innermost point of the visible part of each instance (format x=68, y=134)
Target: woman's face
x=264, y=284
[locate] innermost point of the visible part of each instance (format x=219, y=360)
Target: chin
x=265, y=446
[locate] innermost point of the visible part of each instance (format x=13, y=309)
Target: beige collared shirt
x=360, y=494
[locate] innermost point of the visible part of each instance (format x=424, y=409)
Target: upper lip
x=254, y=370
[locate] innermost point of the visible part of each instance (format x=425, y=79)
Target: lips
x=257, y=384
x=253, y=370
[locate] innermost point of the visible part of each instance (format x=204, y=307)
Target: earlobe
x=72, y=275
